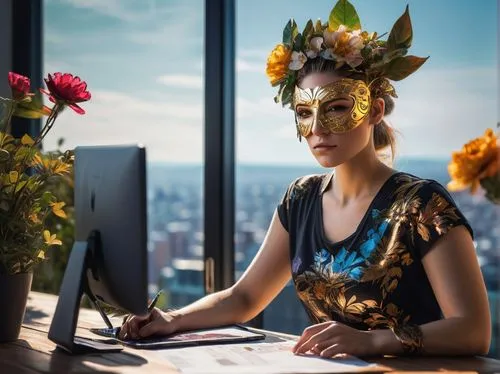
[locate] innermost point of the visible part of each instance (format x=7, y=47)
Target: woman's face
x=332, y=134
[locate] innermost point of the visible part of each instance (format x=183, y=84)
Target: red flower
x=20, y=86
x=67, y=90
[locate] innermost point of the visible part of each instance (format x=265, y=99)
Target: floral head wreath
x=342, y=41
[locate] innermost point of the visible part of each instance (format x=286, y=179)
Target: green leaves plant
x=344, y=13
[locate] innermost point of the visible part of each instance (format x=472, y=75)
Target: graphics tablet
x=221, y=335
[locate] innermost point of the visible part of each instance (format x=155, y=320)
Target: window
x=449, y=101
x=142, y=61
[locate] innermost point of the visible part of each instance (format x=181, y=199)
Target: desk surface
x=34, y=353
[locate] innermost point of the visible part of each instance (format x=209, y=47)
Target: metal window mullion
x=27, y=54
x=219, y=182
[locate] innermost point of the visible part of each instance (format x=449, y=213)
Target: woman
x=383, y=261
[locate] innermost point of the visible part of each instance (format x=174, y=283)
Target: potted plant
x=25, y=203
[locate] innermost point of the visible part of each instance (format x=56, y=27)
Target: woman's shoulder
x=407, y=183
x=307, y=184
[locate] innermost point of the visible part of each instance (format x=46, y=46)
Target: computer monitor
x=108, y=261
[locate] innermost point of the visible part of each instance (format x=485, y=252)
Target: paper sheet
x=262, y=358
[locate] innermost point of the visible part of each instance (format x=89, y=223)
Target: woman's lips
x=324, y=146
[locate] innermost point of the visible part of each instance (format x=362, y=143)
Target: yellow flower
x=277, y=63
x=57, y=209
x=51, y=239
x=478, y=159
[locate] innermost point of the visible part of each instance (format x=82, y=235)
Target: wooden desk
x=34, y=353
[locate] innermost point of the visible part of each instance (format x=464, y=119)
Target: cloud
x=259, y=109
x=261, y=54
x=249, y=66
x=52, y=66
x=182, y=81
x=124, y=10
x=442, y=109
x=170, y=130
x=175, y=24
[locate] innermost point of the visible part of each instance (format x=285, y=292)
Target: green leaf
x=277, y=98
x=286, y=96
x=308, y=30
x=4, y=155
x=318, y=28
x=5, y=107
x=344, y=13
x=401, y=34
x=33, y=109
x=20, y=185
x=401, y=67
x=298, y=43
x=6, y=139
x=289, y=33
x=47, y=197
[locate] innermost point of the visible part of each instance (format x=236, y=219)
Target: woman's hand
x=330, y=338
x=156, y=323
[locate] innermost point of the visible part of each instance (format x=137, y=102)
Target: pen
x=154, y=301
x=150, y=309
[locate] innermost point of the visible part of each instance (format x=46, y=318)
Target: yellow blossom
x=51, y=239
x=277, y=63
x=57, y=209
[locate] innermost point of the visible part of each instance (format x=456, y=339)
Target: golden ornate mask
x=312, y=100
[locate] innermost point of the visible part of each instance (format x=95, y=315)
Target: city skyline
x=146, y=75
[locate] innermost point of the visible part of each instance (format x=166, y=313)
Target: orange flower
x=478, y=159
x=277, y=63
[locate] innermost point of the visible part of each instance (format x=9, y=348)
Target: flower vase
x=14, y=290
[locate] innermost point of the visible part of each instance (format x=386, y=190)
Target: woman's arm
x=258, y=286
x=262, y=281
x=455, y=276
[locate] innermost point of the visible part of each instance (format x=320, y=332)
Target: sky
x=143, y=62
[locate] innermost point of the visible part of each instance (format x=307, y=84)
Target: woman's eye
x=335, y=108
x=303, y=113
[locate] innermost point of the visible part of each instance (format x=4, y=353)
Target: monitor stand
x=74, y=285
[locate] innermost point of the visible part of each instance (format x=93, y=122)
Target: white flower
x=354, y=59
x=315, y=45
x=297, y=61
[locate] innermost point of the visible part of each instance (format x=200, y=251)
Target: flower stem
x=56, y=109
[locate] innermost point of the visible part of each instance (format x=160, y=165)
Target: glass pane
x=142, y=61
x=450, y=100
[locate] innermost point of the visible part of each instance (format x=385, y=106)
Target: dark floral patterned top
x=375, y=277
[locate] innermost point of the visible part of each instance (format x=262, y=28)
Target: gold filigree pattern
x=314, y=98
x=410, y=336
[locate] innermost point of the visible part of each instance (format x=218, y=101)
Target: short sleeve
x=437, y=215
x=283, y=208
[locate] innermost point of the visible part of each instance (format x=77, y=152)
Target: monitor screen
x=110, y=197
x=108, y=260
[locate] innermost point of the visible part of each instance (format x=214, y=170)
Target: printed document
x=257, y=357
